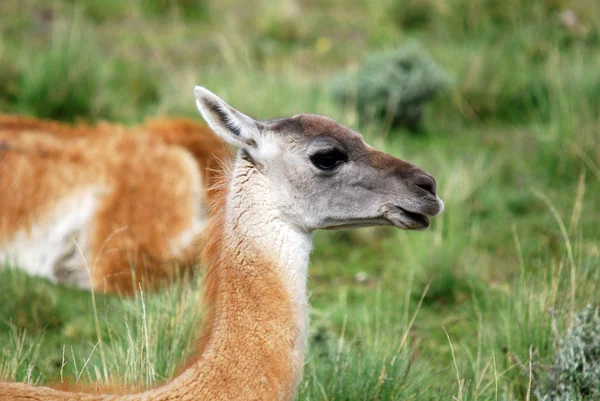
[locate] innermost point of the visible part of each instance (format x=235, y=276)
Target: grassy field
x=471, y=309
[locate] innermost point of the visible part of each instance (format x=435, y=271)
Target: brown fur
x=250, y=330
x=144, y=173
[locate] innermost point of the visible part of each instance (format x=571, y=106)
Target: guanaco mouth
x=413, y=220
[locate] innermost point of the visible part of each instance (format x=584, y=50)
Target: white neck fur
x=254, y=221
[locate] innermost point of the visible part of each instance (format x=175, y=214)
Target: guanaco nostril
x=427, y=183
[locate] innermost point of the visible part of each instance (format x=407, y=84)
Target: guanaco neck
x=255, y=337
x=256, y=289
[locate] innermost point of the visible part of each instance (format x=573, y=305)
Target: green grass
x=125, y=340
x=513, y=145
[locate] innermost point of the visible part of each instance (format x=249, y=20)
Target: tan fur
x=249, y=333
x=145, y=176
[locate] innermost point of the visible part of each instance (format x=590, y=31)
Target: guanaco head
x=324, y=175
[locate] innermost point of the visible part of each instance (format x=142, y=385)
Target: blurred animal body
x=291, y=176
x=104, y=206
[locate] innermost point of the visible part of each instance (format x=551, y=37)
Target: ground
x=470, y=308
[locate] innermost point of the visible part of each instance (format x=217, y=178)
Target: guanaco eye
x=329, y=159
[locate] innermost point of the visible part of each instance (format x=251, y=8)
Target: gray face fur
x=324, y=175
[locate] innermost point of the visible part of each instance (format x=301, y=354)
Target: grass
x=151, y=333
x=513, y=145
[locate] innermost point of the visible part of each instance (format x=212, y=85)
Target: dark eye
x=329, y=159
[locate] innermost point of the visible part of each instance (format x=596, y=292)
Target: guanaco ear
x=233, y=126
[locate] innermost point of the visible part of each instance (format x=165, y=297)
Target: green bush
x=576, y=371
x=9, y=75
x=63, y=81
x=189, y=9
x=393, y=86
x=133, y=86
x=74, y=78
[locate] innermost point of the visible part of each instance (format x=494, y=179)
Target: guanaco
x=105, y=206
x=290, y=177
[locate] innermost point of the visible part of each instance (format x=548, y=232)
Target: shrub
x=133, y=86
x=63, y=81
x=393, y=86
x=189, y=9
x=9, y=75
x=575, y=374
